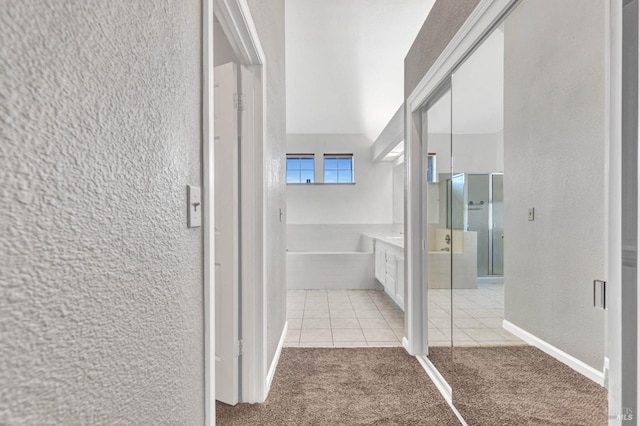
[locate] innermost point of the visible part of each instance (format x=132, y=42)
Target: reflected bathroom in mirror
x=508, y=297
x=432, y=169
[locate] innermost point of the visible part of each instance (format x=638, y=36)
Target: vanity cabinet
x=389, y=270
x=380, y=255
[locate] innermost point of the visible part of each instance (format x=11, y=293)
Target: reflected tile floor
x=369, y=318
x=477, y=317
x=343, y=318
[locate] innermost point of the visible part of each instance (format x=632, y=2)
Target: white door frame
x=208, y=218
x=638, y=251
x=614, y=226
x=227, y=231
x=620, y=347
x=480, y=23
x=236, y=22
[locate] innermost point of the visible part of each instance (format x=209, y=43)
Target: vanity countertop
x=396, y=241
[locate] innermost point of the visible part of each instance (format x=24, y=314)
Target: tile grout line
x=333, y=342
x=304, y=311
x=358, y=320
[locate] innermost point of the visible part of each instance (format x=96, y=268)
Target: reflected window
x=300, y=168
x=338, y=168
x=432, y=170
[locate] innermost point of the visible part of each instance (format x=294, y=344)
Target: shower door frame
x=491, y=237
x=465, y=220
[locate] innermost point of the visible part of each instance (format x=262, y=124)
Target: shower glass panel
x=478, y=207
x=471, y=208
x=456, y=209
x=436, y=140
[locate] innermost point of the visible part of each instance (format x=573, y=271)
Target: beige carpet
x=351, y=386
x=519, y=385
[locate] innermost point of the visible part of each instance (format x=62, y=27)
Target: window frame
x=300, y=156
x=338, y=156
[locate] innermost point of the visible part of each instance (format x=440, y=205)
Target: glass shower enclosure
x=474, y=203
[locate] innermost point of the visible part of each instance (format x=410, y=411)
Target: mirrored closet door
x=509, y=255
x=437, y=220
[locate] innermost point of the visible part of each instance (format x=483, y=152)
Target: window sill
x=321, y=183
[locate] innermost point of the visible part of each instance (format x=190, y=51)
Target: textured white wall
x=269, y=19
x=554, y=144
x=101, y=304
x=369, y=201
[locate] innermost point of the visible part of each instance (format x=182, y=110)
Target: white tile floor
x=477, y=317
x=357, y=318
x=343, y=318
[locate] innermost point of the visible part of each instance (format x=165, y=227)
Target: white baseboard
x=579, y=366
x=605, y=372
x=276, y=358
x=490, y=280
x=405, y=345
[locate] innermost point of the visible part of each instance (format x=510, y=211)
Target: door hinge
x=238, y=101
x=238, y=348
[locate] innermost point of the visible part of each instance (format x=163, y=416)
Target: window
x=338, y=168
x=300, y=168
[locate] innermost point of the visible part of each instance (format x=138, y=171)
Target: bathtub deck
x=331, y=271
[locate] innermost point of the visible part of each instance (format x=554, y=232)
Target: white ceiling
x=345, y=62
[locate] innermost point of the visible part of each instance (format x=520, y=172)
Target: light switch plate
x=194, y=207
x=531, y=213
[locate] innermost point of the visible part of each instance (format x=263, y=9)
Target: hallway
x=260, y=202
x=349, y=386
x=386, y=386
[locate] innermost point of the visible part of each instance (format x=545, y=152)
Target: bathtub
x=463, y=259
x=332, y=257
x=331, y=271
